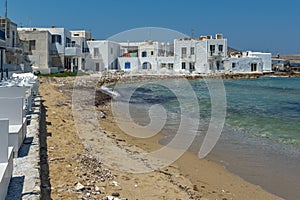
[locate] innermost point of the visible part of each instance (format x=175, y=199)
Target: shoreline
x=112, y=77
x=206, y=176
x=200, y=179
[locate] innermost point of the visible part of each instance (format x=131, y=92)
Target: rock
x=110, y=198
x=101, y=115
x=115, y=194
x=79, y=186
x=115, y=183
x=97, y=189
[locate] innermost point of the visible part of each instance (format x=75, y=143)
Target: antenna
x=193, y=33
x=5, y=8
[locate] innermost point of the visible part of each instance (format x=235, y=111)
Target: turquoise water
x=260, y=141
x=265, y=107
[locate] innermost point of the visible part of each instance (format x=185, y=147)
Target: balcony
x=72, y=50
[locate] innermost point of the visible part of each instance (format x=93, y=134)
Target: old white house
x=203, y=55
x=103, y=55
x=249, y=62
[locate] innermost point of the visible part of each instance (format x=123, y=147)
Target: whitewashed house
x=266, y=59
x=103, y=55
x=79, y=39
x=148, y=55
x=204, y=55
x=249, y=62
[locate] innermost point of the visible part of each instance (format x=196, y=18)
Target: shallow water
x=261, y=138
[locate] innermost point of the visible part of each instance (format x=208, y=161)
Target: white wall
x=134, y=63
x=266, y=59
x=108, y=55
x=243, y=65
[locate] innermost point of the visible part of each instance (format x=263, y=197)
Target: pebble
x=79, y=186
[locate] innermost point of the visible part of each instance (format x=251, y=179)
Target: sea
x=260, y=138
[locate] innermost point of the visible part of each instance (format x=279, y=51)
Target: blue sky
x=256, y=25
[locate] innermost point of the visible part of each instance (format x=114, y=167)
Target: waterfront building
x=57, y=49
x=79, y=39
x=146, y=55
x=63, y=53
x=12, y=49
x=202, y=55
x=248, y=62
x=103, y=55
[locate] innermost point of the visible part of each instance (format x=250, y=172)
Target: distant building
x=103, y=55
x=147, y=55
x=280, y=65
x=53, y=49
x=248, y=62
x=38, y=46
x=79, y=39
x=204, y=55
x=57, y=49
x=13, y=58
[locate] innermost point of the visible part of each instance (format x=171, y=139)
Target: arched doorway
x=146, y=65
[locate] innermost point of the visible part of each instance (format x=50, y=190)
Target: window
x=253, y=67
x=192, y=66
x=76, y=34
x=152, y=53
x=233, y=65
x=96, y=52
x=144, y=54
x=170, y=65
x=192, y=50
x=212, y=48
x=97, y=67
x=183, y=52
x=127, y=65
x=111, y=50
x=218, y=65
x=163, y=65
x=221, y=48
x=68, y=40
x=31, y=45
x=183, y=65
x=56, y=39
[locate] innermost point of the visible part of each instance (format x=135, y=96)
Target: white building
x=13, y=59
x=63, y=54
x=79, y=39
x=147, y=55
x=103, y=55
x=248, y=62
x=266, y=59
x=204, y=55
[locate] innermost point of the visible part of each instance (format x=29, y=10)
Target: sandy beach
x=85, y=159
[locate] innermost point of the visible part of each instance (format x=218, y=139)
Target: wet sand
x=74, y=147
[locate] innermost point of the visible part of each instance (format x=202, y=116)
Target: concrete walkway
x=25, y=182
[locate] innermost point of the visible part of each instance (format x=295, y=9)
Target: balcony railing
x=72, y=45
x=72, y=49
